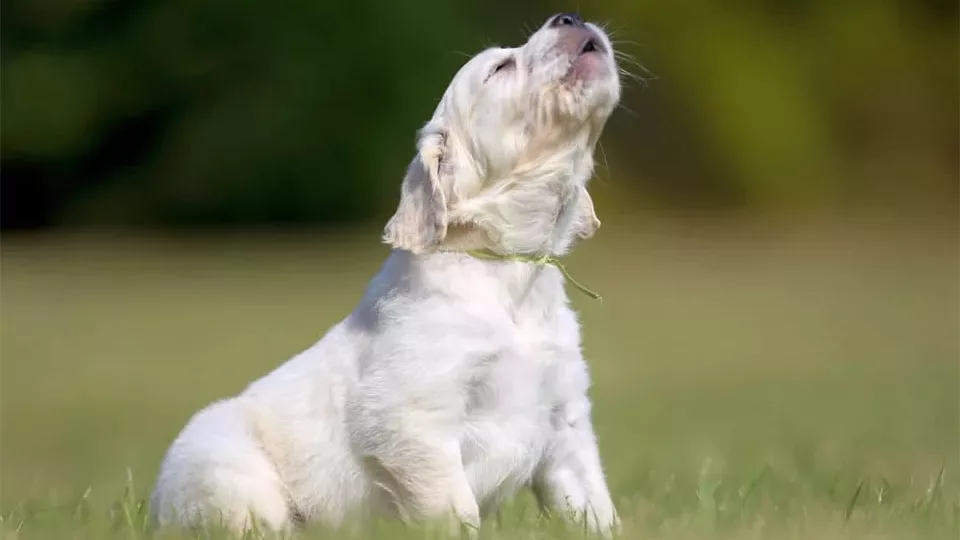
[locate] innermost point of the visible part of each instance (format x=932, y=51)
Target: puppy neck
x=541, y=208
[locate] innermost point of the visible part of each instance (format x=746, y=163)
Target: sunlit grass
x=749, y=383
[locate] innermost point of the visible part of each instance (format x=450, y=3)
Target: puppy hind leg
x=217, y=474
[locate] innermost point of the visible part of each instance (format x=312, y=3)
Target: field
x=750, y=381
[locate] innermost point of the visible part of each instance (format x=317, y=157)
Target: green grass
x=750, y=382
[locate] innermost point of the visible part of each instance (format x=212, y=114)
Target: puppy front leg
x=428, y=483
x=407, y=431
x=570, y=478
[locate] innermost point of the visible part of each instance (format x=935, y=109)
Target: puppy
x=458, y=379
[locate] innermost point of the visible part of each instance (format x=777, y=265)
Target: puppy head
x=509, y=148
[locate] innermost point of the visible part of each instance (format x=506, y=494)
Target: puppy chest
x=521, y=383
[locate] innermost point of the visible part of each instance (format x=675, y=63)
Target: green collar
x=540, y=260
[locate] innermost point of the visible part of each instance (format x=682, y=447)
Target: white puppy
x=458, y=379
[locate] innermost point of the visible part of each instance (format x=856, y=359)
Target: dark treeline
x=215, y=112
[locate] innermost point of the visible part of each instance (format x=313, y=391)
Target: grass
x=750, y=381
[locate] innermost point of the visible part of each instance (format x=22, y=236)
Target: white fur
x=456, y=381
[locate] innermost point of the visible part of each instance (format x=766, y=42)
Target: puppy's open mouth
x=590, y=45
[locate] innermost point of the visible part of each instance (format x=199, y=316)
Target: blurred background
x=177, y=113
x=192, y=191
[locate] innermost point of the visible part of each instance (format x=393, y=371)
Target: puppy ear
x=586, y=221
x=420, y=221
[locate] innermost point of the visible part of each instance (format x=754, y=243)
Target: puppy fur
x=456, y=381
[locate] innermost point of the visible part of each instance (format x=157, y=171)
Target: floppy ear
x=586, y=221
x=420, y=221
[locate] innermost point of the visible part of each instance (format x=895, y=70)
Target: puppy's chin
x=589, y=89
x=586, y=94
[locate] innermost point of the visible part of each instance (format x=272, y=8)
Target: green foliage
x=214, y=111
x=181, y=112
x=797, y=103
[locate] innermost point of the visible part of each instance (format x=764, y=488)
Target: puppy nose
x=566, y=19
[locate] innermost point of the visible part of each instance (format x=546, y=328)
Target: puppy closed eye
x=504, y=65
